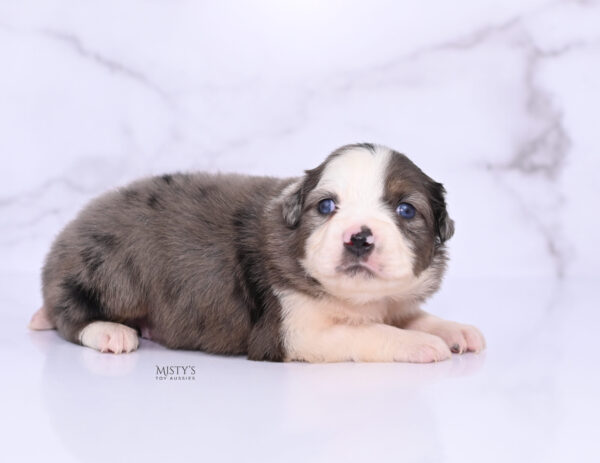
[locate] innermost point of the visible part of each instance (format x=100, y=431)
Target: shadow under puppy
x=324, y=268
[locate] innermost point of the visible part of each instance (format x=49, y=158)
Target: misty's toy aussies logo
x=175, y=373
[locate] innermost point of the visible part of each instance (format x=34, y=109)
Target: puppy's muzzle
x=362, y=243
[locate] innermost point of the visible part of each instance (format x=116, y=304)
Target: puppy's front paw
x=109, y=337
x=460, y=338
x=422, y=348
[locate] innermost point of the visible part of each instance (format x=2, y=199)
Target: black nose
x=361, y=243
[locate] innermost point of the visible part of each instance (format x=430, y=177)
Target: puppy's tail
x=41, y=321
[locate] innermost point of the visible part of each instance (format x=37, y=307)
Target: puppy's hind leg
x=41, y=321
x=82, y=317
x=109, y=337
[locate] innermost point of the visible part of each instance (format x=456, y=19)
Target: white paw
x=460, y=338
x=422, y=348
x=109, y=337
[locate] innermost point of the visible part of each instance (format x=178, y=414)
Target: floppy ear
x=444, y=225
x=292, y=205
x=295, y=195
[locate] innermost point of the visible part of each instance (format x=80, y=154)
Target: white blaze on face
x=357, y=177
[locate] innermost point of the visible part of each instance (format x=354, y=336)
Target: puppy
x=328, y=267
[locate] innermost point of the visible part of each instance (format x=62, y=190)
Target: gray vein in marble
x=546, y=151
x=42, y=189
x=542, y=154
x=550, y=232
x=110, y=64
x=113, y=66
x=472, y=39
x=466, y=41
x=37, y=218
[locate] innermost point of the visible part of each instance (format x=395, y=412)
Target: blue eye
x=406, y=210
x=326, y=206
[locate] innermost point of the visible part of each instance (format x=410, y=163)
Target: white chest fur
x=309, y=325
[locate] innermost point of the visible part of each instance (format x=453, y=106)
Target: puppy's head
x=371, y=225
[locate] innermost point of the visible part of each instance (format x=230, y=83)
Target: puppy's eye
x=326, y=206
x=406, y=210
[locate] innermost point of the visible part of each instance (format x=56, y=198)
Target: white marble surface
x=498, y=100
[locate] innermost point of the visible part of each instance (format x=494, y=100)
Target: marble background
x=497, y=100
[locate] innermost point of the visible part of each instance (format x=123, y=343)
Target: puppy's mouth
x=357, y=269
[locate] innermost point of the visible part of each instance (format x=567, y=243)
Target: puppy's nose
x=362, y=243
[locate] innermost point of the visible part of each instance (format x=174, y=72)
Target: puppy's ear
x=444, y=225
x=295, y=196
x=292, y=205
